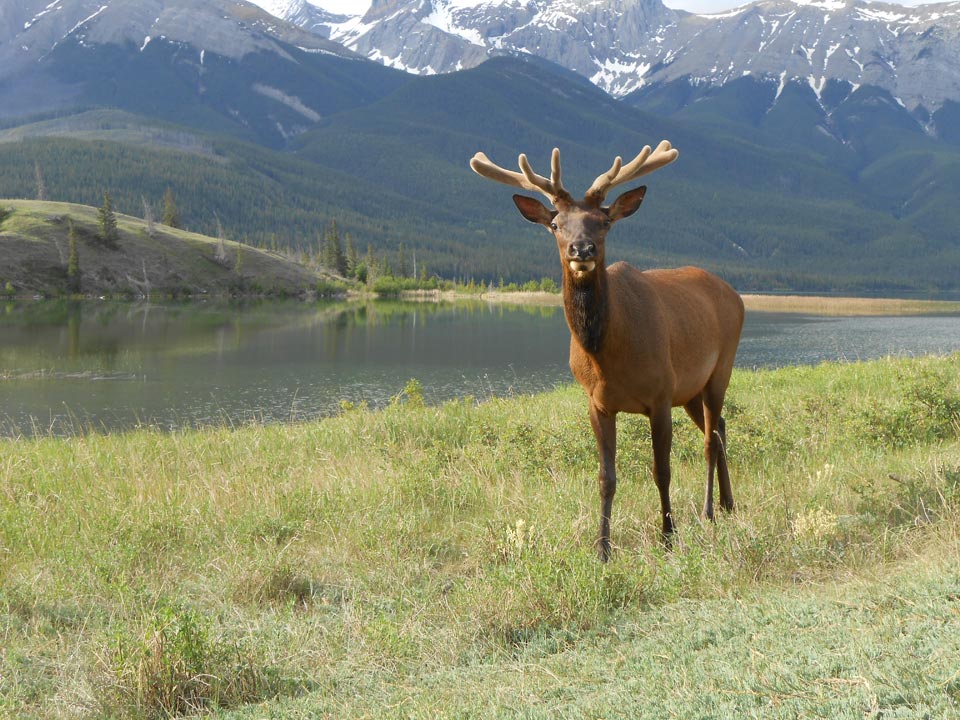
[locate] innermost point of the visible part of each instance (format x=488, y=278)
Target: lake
x=66, y=367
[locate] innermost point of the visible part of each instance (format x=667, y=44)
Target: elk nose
x=582, y=250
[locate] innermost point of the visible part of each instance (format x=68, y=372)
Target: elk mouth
x=580, y=268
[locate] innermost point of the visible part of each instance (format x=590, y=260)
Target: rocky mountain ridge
x=626, y=45
x=32, y=30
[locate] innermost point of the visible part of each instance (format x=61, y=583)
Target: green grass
x=437, y=562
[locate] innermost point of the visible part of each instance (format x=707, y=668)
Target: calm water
x=66, y=367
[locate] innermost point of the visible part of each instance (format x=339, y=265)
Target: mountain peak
x=624, y=45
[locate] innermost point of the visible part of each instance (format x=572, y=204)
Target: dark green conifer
x=73, y=262
x=171, y=216
x=109, y=233
x=402, y=269
x=352, y=260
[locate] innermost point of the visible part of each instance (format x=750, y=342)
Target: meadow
x=437, y=561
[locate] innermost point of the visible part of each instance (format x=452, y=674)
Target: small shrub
x=182, y=666
x=386, y=285
x=331, y=288
x=280, y=584
x=927, y=409
x=412, y=394
x=548, y=285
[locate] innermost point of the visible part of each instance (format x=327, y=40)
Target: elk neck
x=585, y=304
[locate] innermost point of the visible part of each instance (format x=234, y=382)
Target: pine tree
x=370, y=262
x=221, y=253
x=238, y=261
x=73, y=263
x=352, y=260
x=109, y=233
x=41, y=185
x=333, y=258
x=402, y=270
x=171, y=216
x=148, y=217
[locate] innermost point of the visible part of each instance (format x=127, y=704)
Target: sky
x=358, y=7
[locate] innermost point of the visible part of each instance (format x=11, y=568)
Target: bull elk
x=641, y=342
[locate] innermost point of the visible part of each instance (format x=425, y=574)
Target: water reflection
x=68, y=366
x=65, y=367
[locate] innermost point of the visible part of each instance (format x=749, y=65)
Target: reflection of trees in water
x=103, y=335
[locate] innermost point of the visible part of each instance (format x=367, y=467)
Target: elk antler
x=527, y=179
x=645, y=162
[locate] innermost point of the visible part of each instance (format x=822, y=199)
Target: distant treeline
x=278, y=200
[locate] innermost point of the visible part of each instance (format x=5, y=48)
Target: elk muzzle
x=581, y=257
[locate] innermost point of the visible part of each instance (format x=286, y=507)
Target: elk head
x=580, y=227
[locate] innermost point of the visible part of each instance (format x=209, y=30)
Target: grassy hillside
x=425, y=562
x=34, y=254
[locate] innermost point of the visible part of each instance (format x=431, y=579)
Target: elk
x=640, y=342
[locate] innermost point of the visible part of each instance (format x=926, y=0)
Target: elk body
x=641, y=342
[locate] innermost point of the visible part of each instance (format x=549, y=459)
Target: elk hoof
x=666, y=534
x=666, y=539
x=603, y=549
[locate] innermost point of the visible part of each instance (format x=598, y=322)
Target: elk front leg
x=605, y=429
x=661, y=431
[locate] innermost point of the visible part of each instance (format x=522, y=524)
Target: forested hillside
x=749, y=198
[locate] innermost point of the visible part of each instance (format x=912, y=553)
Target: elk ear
x=534, y=210
x=627, y=204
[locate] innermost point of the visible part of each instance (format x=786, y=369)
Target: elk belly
x=581, y=268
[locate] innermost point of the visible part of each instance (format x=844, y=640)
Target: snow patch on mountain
x=442, y=18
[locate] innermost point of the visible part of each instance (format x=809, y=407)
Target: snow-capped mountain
x=221, y=65
x=31, y=29
x=625, y=45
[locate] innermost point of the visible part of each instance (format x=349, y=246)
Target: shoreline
x=754, y=302
x=824, y=305
x=758, y=302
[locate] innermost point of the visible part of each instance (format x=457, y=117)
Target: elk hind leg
x=723, y=474
x=715, y=443
x=661, y=431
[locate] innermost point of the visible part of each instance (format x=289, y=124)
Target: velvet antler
x=526, y=179
x=645, y=162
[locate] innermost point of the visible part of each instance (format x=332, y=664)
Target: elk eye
x=554, y=226
x=607, y=223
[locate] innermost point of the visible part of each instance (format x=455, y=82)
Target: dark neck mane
x=585, y=305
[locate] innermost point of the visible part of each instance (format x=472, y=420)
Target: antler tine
x=645, y=162
x=527, y=179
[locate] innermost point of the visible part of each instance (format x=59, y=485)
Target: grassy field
x=430, y=562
